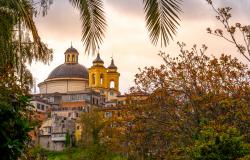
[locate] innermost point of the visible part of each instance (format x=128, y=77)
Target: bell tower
x=112, y=76
x=97, y=74
x=101, y=77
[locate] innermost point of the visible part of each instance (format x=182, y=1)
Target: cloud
x=130, y=7
x=127, y=37
x=61, y=18
x=200, y=9
x=192, y=9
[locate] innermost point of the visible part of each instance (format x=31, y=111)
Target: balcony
x=58, y=137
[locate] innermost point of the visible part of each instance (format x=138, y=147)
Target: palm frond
x=162, y=19
x=93, y=23
x=25, y=12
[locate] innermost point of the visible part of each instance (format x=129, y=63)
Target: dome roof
x=69, y=71
x=98, y=59
x=112, y=65
x=71, y=50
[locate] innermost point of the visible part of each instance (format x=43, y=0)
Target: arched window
x=101, y=79
x=93, y=78
x=73, y=58
x=112, y=84
x=68, y=58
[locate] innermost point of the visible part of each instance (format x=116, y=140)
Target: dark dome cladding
x=69, y=71
x=98, y=59
x=71, y=49
x=112, y=65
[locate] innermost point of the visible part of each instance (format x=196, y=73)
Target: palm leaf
x=25, y=11
x=93, y=22
x=162, y=19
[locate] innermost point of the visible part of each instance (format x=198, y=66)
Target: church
x=72, y=77
x=71, y=89
x=72, y=81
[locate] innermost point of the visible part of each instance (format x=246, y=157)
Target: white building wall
x=42, y=88
x=76, y=86
x=39, y=106
x=62, y=86
x=57, y=86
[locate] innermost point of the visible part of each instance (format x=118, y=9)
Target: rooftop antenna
x=98, y=53
x=71, y=45
x=34, y=84
x=112, y=56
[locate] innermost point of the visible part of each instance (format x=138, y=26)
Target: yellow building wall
x=107, y=78
x=78, y=132
x=114, y=76
x=97, y=72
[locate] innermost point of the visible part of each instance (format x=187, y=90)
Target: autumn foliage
x=191, y=97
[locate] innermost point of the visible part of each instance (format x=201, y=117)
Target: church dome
x=69, y=71
x=71, y=50
x=71, y=68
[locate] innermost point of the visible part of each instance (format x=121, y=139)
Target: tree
x=16, y=50
x=92, y=124
x=185, y=92
x=67, y=139
x=17, y=18
x=237, y=34
x=219, y=145
x=16, y=46
x=14, y=117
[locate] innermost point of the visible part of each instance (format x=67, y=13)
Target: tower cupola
x=101, y=77
x=112, y=67
x=71, y=55
x=98, y=61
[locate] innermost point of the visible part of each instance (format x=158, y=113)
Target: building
x=41, y=106
x=53, y=132
x=104, y=80
x=67, y=77
x=71, y=89
x=73, y=81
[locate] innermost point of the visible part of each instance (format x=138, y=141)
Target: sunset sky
x=127, y=38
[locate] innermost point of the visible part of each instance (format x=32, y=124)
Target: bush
x=14, y=126
x=228, y=145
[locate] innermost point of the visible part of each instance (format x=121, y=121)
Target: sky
x=127, y=37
